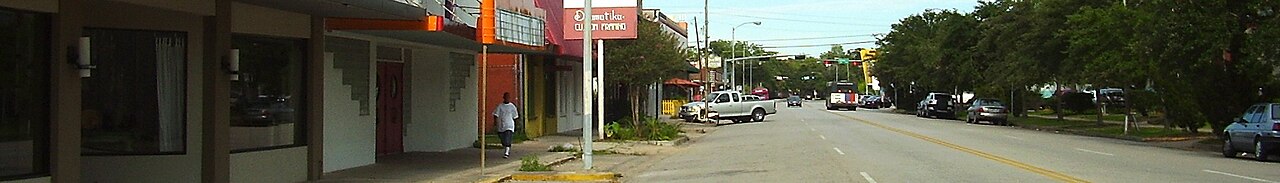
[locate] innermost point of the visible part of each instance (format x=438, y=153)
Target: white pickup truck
x=729, y=105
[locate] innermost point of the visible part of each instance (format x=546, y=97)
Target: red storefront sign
x=609, y=20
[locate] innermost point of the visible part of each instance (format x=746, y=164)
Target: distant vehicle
x=730, y=105
x=1257, y=132
x=842, y=95
x=1109, y=96
x=762, y=92
x=987, y=110
x=870, y=102
x=886, y=102
x=936, y=105
x=794, y=101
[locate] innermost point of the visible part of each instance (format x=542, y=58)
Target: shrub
x=530, y=163
x=650, y=129
x=617, y=130
x=658, y=130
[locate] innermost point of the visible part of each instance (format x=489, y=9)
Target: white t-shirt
x=507, y=115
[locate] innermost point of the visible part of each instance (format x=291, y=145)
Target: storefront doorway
x=390, y=127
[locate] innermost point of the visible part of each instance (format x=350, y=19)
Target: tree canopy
x=1202, y=61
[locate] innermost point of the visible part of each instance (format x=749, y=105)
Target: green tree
x=652, y=57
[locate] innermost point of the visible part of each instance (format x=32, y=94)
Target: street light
x=733, y=45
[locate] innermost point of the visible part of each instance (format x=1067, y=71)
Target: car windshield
x=711, y=98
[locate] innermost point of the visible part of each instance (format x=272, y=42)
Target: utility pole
x=586, y=86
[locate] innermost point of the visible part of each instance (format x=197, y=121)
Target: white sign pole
x=586, y=86
x=600, y=86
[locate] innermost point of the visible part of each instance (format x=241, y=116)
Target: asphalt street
x=814, y=145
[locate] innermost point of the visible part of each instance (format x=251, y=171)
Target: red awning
x=681, y=82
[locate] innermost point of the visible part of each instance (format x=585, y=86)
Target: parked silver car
x=1257, y=132
x=987, y=110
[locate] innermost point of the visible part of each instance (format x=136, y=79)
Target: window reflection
x=135, y=101
x=24, y=94
x=266, y=102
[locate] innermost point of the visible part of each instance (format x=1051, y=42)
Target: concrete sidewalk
x=462, y=165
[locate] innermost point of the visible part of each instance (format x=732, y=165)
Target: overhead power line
x=817, y=45
x=797, y=20
x=809, y=38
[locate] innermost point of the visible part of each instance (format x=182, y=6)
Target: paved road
x=813, y=145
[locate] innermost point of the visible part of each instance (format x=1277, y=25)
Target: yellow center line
x=1007, y=161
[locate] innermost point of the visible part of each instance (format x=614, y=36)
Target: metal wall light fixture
x=233, y=64
x=80, y=57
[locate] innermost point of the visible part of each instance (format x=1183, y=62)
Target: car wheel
x=757, y=115
x=1227, y=150
x=1260, y=152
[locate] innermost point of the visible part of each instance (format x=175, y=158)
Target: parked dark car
x=936, y=105
x=871, y=102
x=991, y=110
x=1256, y=132
x=1109, y=96
x=794, y=101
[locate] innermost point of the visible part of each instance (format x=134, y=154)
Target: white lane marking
x=811, y=129
x=823, y=137
x=1012, y=137
x=1095, y=152
x=838, y=151
x=1239, y=176
x=868, y=177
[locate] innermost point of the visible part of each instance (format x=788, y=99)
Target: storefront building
x=228, y=91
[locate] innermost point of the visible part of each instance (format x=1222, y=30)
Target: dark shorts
x=505, y=135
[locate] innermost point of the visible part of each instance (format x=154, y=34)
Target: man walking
x=505, y=118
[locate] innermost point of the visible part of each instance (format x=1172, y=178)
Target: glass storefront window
x=24, y=94
x=267, y=103
x=135, y=102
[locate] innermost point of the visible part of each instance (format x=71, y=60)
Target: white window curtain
x=171, y=92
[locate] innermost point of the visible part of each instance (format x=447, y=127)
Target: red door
x=390, y=108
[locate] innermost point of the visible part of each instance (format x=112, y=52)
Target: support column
x=215, y=152
x=315, y=100
x=64, y=130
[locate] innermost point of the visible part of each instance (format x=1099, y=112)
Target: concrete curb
x=673, y=142
x=1121, y=137
x=507, y=177
x=1083, y=133
x=562, y=160
x=496, y=179
x=566, y=176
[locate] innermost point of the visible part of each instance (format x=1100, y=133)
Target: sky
x=790, y=23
